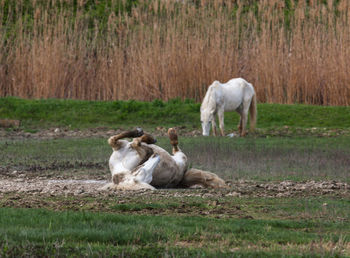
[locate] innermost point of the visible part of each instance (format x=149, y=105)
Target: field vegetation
x=259, y=159
x=273, y=119
x=103, y=66
x=292, y=51
x=288, y=191
x=66, y=233
x=251, y=218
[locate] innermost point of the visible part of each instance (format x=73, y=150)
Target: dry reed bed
x=292, y=52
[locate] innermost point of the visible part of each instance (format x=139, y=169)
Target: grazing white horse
x=140, y=164
x=237, y=94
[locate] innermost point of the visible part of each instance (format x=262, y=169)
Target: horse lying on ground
x=140, y=164
x=236, y=94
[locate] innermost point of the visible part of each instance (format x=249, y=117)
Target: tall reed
x=291, y=51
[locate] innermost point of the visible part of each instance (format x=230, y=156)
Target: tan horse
x=140, y=164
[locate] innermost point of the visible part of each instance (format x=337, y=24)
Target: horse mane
x=209, y=100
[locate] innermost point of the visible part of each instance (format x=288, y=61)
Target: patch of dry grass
x=291, y=51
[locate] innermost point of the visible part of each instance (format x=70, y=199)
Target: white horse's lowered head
x=238, y=95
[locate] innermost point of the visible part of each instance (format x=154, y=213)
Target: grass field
x=41, y=232
x=288, y=189
x=261, y=159
x=77, y=114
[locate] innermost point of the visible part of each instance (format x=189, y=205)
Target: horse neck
x=211, y=98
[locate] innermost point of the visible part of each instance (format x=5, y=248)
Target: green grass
x=83, y=233
x=261, y=159
x=275, y=158
x=61, y=152
x=192, y=203
x=139, y=206
x=92, y=114
x=309, y=208
x=275, y=115
x=165, y=225
x=37, y=114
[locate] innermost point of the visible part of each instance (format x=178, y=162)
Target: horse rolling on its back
x=237, y=94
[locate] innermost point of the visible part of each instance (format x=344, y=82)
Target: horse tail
x=197, y=177
x=253, y=113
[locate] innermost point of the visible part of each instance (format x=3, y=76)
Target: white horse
x=237, y=94
x=140, y=164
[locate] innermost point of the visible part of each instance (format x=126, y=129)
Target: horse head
x=208, y=107
x=206, y=118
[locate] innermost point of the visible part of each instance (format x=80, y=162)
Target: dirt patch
x=103, y=132
x=52, y=187
x=22, y=191
x=55, y=133
x=20, y=182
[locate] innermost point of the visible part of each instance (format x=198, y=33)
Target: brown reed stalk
x=168, y=49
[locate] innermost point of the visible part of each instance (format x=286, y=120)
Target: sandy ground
x=40, y=185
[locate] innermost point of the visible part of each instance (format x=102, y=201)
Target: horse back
x=229, y=95
x=234, y=92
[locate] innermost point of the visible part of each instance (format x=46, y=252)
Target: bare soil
x=103, y=132
x=40, y=184
x=21, y=191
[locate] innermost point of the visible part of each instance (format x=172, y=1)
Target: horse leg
x=143, y=150
x=240, y=124
x=244, y=122
x=147, y=138
x=114, y=140
x=195, y=177
x=144, y=172
x=244, y=118
x=213, y=125
x=173, y=139
x=221, y=121
x=178, y=156
x=239, y=110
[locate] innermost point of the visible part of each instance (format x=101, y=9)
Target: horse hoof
x=172, y=136
x=149, y=139
x=138, y=132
